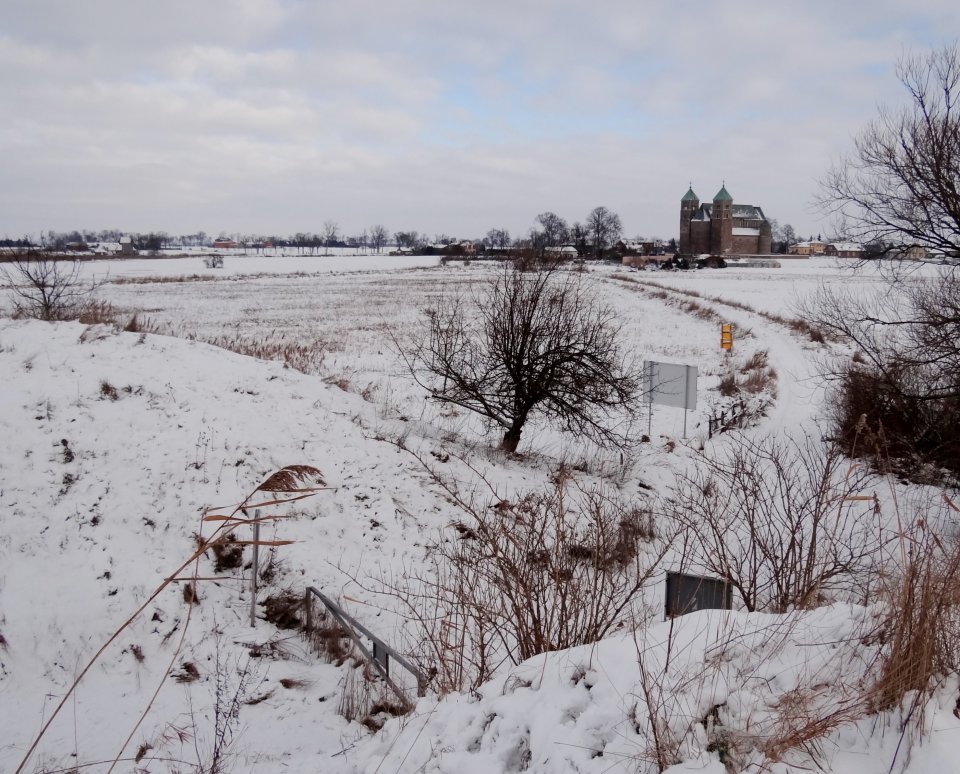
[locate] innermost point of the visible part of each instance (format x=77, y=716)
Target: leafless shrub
x=45, y=287
x=905, y=384
x=879, y=417
x=783, y=521
x=544, y=571
x=655, y=714
x=233, y=686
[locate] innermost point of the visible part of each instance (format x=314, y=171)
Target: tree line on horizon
x=600, y=231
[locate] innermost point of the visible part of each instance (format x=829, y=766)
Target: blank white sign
x=670, y=384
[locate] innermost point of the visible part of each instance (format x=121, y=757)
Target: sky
x=277, y=116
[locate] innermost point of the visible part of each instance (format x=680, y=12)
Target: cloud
x=275, y=115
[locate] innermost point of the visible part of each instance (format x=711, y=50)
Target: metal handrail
x=381, y=652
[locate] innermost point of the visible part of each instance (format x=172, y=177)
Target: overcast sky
x=274, y=116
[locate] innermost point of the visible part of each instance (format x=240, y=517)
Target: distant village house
x=126, y=246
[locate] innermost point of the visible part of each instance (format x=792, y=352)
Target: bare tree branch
x=901, y=184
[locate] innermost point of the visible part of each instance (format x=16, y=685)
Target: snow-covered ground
x=114, y=443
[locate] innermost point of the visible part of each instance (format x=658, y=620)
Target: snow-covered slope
x=113, y=444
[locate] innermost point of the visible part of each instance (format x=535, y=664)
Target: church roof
x=690, y=196
x=743, y=211
x=748, y=212
x=722, y=195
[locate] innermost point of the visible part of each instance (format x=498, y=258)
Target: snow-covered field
x=114, y=443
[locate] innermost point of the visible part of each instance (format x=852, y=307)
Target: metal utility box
x=689, y=593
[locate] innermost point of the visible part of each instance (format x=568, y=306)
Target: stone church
x=722, y=228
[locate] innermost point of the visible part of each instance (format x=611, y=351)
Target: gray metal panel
x=689, y=593
x=671, y=384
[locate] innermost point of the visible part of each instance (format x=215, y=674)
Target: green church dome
x=723, y=195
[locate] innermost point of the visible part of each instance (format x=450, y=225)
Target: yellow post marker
x=726, y=337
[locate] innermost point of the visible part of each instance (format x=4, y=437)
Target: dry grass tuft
x=108, y=391
x=758, y=361
x=760, y=381
x=728, y=386
x=366, y=699
x=329, y=640
x=922, y=627
x=98, y=313
x=755, y=376
x=227, y=552
x=190, y=595
x=305, y=357
x=273, y=649
x=283, y=609
x=188, y=673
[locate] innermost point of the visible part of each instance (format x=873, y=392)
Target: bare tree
x=900, y=398
x=553, y=229
x=901, y=184
x=408, y=239
x=497, y=238
x=604, y=228
x=534, y=343
x=378, y=237
x=331, y=232
x=580, y=238
x=45, y=287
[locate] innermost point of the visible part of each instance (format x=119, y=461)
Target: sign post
x=256, y=567
x=726, y=337
x=670, y=384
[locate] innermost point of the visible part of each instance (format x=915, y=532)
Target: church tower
x=689, y=205
x=721, y=223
